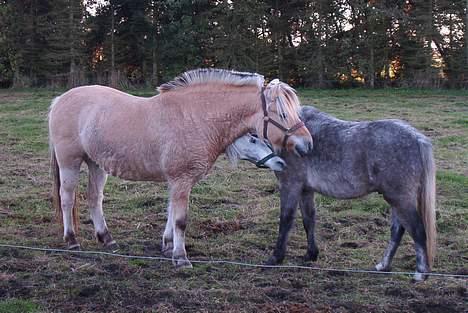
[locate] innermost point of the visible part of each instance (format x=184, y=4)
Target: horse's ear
x=275, y=81
x=272, y=91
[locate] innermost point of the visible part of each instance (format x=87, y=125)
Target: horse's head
x=255, y=150
x=281, y=124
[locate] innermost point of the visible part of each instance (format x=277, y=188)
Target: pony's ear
x=272, y=91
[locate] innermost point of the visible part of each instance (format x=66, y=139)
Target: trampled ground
x=233, y=216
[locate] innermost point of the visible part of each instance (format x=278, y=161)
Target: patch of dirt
x=211, y=227
x=288, y=308
x=353, y=244
x=431, y=306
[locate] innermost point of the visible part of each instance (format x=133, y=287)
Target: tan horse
x=175, y=136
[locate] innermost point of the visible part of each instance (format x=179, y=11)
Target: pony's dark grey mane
x=204, y=75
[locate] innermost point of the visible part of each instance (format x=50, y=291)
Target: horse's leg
x=411, y=220
x=289, y=195
x=69, y=178
x=167, y=240
x=96, y=183
x=179, y=195
x=397, y=232
x=307, y=206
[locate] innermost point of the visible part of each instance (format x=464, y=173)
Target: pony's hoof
x=382, y=268
x=74, y=246
x=311, y=256
x=419, y=277
x=273, y=260
x=111, y=246
x=105, y=238
x=182, y=263
x=166, y=251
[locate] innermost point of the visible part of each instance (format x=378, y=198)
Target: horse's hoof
x=382, y=268
x=166, y=251
x=273, y=260
x=74, y=246
x=311, y=256
x=182, y=263
x=419, y=277
x=105, y=238
x=111, y=246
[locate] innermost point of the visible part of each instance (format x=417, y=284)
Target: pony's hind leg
x=397, y=232
x=307, y=206
x=69, y=178
x=96, y=183
x=179, y=196
x=412, y=222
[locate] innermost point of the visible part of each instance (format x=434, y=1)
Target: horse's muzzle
x=303, y=147
x=276, y=164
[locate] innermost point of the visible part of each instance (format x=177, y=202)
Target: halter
x=261, y=163
x=266, y=119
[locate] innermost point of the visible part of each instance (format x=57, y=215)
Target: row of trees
x=320, y=43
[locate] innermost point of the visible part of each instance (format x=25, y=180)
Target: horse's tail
x=55, y=175
x=427, y=200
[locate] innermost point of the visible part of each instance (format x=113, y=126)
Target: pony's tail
x=427, y=200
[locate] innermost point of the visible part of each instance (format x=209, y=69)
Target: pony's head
x=255, y=150
x=281, y=124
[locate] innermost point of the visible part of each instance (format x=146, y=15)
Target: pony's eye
x=253, y=140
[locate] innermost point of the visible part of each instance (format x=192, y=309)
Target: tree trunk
x=321, y=82
x=371, y=67
x=72, y=75
x=465, y=83
x=113, y=81
x=154, y=55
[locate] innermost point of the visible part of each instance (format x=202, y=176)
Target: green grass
x=18, y=306
x=233, y=215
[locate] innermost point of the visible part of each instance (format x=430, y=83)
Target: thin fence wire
x=228, y=262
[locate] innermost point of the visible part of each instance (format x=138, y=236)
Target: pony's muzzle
x=276, y=164
x=302, y=146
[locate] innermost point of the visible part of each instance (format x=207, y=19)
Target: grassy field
x=233, y=215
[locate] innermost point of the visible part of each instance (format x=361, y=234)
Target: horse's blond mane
x=284, y=97
x=205, y=75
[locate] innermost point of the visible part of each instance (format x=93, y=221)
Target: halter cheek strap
x=266, y=120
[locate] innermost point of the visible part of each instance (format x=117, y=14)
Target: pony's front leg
x=179, y=195
x=167, y=239
x=307, y=206
x=289, y=198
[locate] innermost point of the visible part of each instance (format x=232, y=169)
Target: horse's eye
x=284, y=115
x=253, y=140
x=254, y=135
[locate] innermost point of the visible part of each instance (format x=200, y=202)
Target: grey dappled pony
x=353, y=159
x=253, y=149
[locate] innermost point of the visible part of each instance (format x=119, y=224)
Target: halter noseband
x=261, y=163
x=266, y=119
